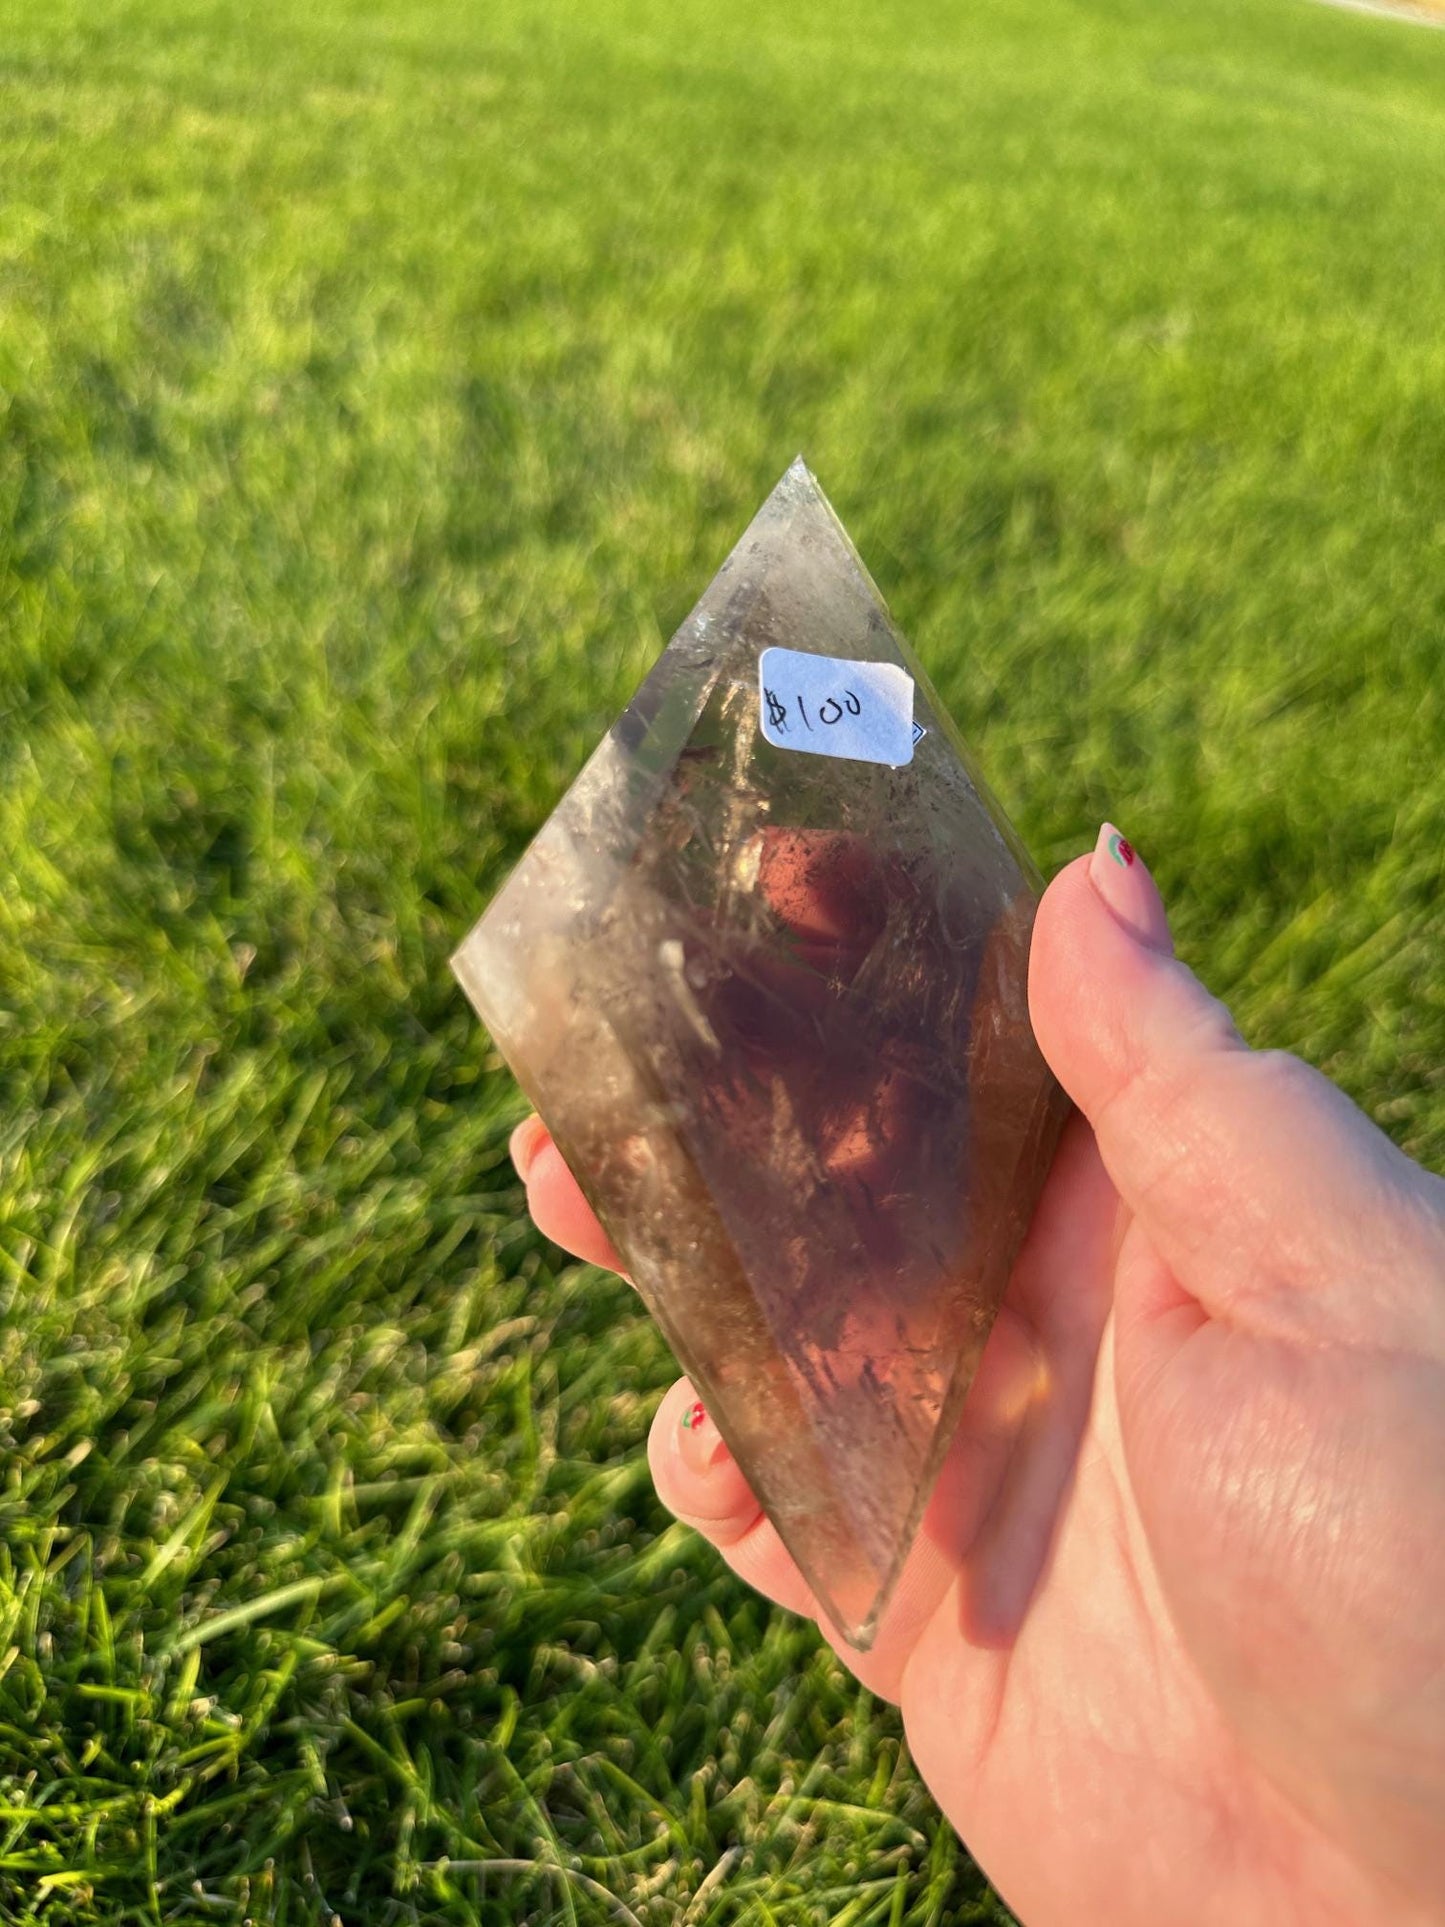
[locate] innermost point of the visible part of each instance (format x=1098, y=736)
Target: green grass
x=380, y=380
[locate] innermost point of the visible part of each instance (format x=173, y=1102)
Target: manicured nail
x=527, y=1140
x=1120, y=848
x=698, y=1439
x=1123, y=881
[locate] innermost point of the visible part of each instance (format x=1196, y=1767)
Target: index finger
x=554, y=1198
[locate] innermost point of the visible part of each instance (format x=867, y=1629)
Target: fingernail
x=526, y=1141
x=698, y=1439
x=1121, y=878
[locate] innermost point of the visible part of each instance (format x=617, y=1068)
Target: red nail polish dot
x=694, y=1416
x=1121, y=851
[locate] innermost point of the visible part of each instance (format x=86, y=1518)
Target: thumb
x=1127, y=1029
x=1262, y=1188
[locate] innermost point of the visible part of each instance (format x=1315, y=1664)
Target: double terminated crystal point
x=763, y=974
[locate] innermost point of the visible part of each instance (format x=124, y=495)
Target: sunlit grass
x=378, y=385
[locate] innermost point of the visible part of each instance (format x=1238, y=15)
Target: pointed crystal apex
x=763, y=972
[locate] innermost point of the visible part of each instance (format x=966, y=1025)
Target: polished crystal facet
x=763, y=974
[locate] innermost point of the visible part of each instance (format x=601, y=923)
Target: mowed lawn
x=380, y=381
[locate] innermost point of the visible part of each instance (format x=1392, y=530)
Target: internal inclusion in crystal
x=773, y=1009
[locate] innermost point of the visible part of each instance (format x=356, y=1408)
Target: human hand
x=1170, y=1645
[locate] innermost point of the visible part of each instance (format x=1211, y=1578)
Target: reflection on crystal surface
x=772, y=1007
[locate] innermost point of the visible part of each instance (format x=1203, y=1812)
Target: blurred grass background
x=380, y=381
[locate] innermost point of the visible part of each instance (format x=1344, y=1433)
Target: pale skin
x=1171, y=1644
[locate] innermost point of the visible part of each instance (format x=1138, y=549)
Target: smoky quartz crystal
x=763, y=973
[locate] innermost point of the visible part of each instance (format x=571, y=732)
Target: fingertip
x=702, y=1485
x=1059, y=975
x=697, y=1477
x=557, y=1206
x=1105, y=994
x=1129, y=1031
x=525, y=1142
x=1122, y=881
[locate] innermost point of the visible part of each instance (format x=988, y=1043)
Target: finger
x=697, y=1477
x=1265, y=1190
x=555, y=1200
x=701, y=1483
x=1136, y=1041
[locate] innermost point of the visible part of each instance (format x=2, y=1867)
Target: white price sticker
x=829, y=706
